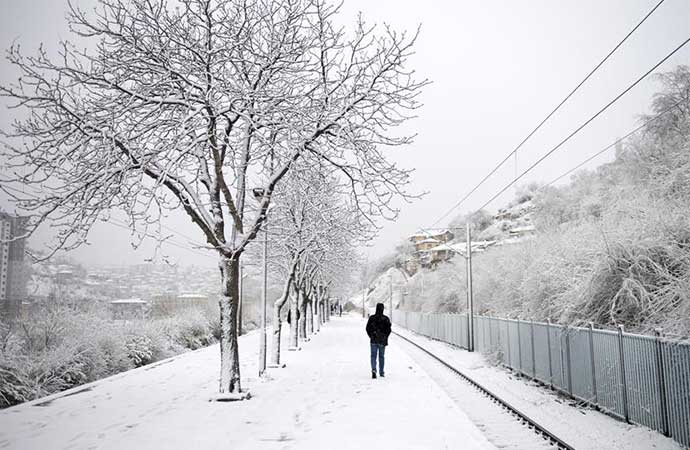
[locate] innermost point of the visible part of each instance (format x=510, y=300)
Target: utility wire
x=587, y=122
x=567, y=97
x=618, y=141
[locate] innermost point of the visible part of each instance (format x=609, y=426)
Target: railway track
x=503, y=424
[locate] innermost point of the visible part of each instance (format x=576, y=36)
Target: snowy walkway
x=324, y=398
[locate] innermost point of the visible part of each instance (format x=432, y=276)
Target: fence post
x=564, y=385
x=534, y=365
x=548, y=346
x=660, y=373
x=591, y=361
x=519, y=343
x=567, y=355
x=508, y=340
x=624, y=384
x=491, y=338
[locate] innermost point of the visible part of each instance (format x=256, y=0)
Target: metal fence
x=640, y=379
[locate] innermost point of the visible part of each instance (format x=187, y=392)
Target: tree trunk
x=303, y=317
x=310, y=317
x=322, y=312
x=229, y=350
x=293, y=320
x=278, y=323
x=317, y=316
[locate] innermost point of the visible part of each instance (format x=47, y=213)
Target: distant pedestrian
x=378, y=329
x=289, y=314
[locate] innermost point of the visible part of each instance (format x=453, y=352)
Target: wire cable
x=587, y=122
x=618, y=141
x=567, y=97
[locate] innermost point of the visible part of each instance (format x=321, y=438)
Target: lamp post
x=390, y=294
x=239, y=312
x=258, y=195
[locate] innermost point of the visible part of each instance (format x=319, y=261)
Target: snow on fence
x=640, y=379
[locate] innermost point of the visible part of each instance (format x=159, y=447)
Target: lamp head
x=258, y=193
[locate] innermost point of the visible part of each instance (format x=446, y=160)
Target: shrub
x=61, y=347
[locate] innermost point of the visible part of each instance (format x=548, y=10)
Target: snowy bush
x=61, y=347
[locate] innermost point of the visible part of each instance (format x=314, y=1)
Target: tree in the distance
x=191, y=107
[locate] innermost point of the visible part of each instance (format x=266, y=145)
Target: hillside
x=612, y=246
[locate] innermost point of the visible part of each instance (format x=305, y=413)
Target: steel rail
x=531, y=423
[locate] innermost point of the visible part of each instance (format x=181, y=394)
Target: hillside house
x=423, y=243
x=526, y=230
x=169, y=304
x=129, y=309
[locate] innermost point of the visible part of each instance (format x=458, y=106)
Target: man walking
x=378, y=329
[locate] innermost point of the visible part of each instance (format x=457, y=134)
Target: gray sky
x=497, y=66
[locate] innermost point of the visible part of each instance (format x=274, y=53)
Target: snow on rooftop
x=192, y=296
x=523, y=229
x=128, y=301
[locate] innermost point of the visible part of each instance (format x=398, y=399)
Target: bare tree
x=189, y=107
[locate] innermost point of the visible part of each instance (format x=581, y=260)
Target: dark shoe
x=382, y=375
x=373, y=375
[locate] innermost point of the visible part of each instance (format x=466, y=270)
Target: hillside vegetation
x=611, y=247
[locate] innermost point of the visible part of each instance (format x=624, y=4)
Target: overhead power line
x=646, y=123
x=567, y=97
x=616, y=142
x=587, y=122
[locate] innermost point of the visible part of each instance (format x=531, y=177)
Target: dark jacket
x=289, y=314
x=379, y=327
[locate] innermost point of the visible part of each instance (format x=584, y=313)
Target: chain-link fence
x=640, y=379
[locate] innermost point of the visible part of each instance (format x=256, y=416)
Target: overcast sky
x=497, y=67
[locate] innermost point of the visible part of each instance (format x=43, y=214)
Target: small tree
x=189, y=107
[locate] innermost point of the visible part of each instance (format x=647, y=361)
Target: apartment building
x=12, y=271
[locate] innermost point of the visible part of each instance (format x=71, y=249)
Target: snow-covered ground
x=324, y=398
x=582, y=428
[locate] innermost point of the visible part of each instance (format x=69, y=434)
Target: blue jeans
x=381, y=350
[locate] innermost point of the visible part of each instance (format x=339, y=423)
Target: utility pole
x=364, y=289
x=470, y=299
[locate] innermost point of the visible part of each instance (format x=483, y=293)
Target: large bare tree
x=191, y=106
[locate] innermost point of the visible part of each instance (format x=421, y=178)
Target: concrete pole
x=364, y=293
x=264, y=294
x=470, y=298
x=239, y=312
x=390, y=295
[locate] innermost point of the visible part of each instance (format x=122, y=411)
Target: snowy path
x=324, y=398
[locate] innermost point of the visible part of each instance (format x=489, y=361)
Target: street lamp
x=259, y=194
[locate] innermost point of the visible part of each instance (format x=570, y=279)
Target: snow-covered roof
x=523, y=229
x=461, y=247
x=128, y=301
x=428, y=241
x=191, y=296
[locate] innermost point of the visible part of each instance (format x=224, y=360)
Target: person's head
x=379, y=308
